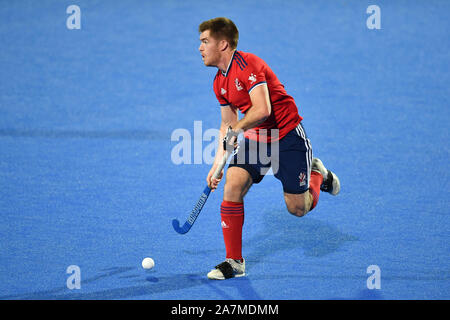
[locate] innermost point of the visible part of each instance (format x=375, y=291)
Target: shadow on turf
x=282, y=232
x=63, y=292
x=150, y=285
x=147, y=286
x=315, y=237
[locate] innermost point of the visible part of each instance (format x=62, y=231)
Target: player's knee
x=297, y=204
x=296, y=210
x=233, y=191
x=238, y=182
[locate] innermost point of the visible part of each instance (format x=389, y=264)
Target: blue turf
x=86, y=175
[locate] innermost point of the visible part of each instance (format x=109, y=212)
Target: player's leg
x=240, y=176
x=238, y=182
x=302, y=194
x=301, y=185
x=301, y=204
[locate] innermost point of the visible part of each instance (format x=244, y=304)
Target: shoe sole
x=223, y=278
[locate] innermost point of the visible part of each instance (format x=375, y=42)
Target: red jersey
x=232, y=88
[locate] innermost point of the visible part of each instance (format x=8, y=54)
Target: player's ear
x=223, y=45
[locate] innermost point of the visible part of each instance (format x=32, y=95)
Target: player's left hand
x=230, y=140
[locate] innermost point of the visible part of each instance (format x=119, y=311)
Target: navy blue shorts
x=289, y=158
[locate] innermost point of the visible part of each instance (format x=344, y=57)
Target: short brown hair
x=221, y=28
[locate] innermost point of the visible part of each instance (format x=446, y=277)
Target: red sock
x=314, y=187
x=232, y=214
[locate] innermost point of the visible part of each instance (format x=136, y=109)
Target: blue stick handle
x=200, y=203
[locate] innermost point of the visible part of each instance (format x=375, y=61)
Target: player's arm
x=258, y=112
x=229, y=117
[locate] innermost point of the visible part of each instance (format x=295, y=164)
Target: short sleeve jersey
x=245, y=72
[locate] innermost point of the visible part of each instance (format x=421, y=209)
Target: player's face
x=209, y=49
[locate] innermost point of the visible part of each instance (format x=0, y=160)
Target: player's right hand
x=213, y=183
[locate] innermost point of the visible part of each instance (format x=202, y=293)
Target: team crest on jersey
x=223, y=91
x=302, y=178
x=252, y=78
x=238, y=85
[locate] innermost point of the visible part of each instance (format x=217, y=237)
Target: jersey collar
x=229, y=64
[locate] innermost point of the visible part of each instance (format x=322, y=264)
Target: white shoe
x=228, y=269
x=331, y=183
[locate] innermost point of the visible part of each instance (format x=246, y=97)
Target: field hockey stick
x=200, y=203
